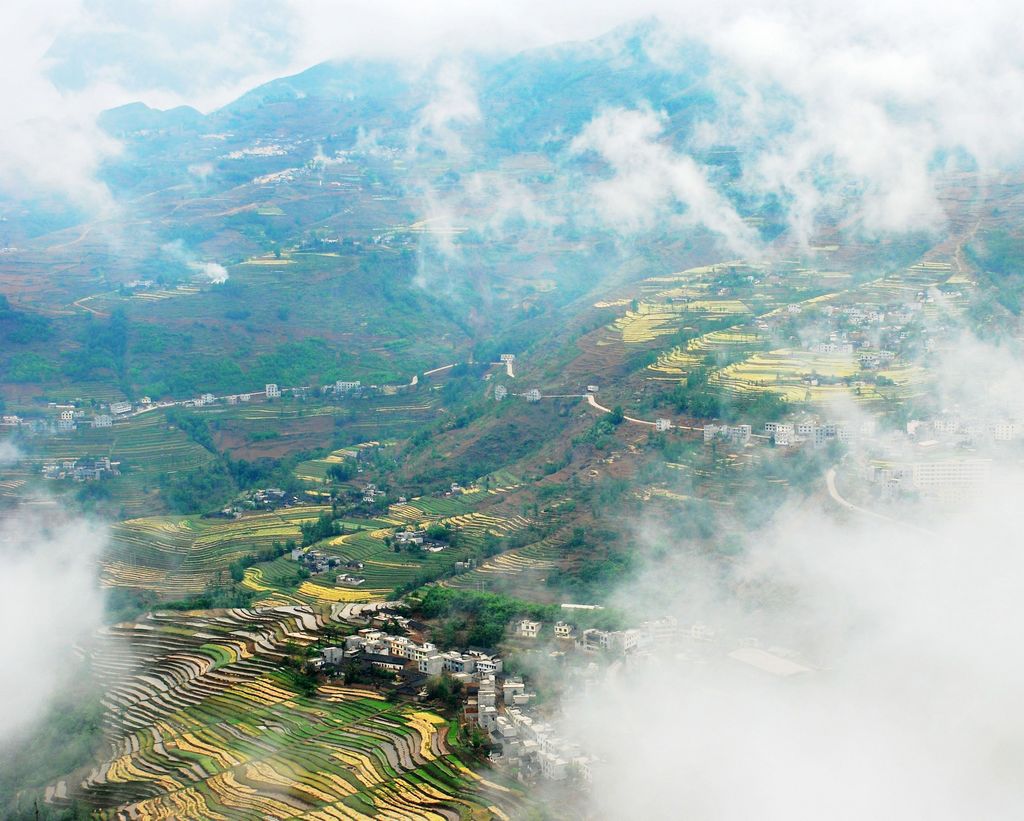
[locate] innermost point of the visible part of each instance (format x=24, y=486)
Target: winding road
x=833, y=491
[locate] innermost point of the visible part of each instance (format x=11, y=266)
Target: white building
x=500, y=392
x=118, y=408
x=737, y=434
x=946, y=478
x=660, y=631
x=533, y=395
x=342, y=386
x=528, y=629
x=564, y=630
x=419, y=652
x=661, y=425
x=769, y=663
x=431, y=665
x=1003, y=431
x=272, y=391
x=782, y=433
x=950, y=476
x=455, y=662
x=102, y=420
x=618, y=641
x=487, y=665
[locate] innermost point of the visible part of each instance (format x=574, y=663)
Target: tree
x=341, y=472
x=617, y=415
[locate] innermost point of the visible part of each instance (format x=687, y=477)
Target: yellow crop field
x=653, y=319
x=677, y=362
x=791, y=373
x=322, y=593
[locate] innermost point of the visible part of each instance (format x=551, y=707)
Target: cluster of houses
x=808, y=431
x=864, y=331
x=401, y=655
x=940, y=469
x=594, y=640
x=314, y=561
x=519, y=739
x=81, y=470
x=372, y=494
x=344, y=387
x=962, y=429
x=411, y=539
x=871, y=360
x=816, y=433
x=832, y=347
x=67, y=420
x=496, y=703
x=734, y=434
x=270, y=498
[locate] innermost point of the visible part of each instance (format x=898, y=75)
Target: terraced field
x=146, y=447
x=180, y=555
x=790, y=373
x=654, y=319
x=202, y=724
x=674, y=364
x=521, y=571
x=385, y=570
x=383, y=416
x=315, y=470
x=145, y=444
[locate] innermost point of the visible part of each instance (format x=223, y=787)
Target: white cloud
x=912, y=710
x=913, y=716
x=651, y=182
x=9, y=454
x=877, y=95
x=451, y=109
x=52, y=601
